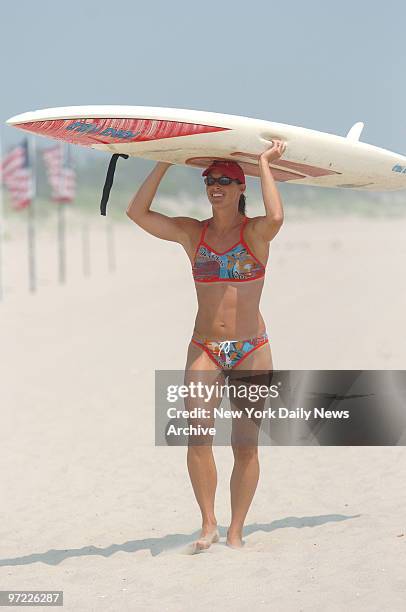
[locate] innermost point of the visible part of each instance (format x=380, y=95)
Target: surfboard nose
x=17, y=119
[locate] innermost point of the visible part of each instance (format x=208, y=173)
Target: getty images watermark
x=290, y=407
x=206, y=393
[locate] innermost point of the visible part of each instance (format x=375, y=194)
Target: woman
x=228, y=253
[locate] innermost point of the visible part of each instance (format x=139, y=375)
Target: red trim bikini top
x=237, y=264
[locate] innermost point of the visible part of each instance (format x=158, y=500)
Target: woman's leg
x=245, y=474
x=243, y=484
x=200, y=459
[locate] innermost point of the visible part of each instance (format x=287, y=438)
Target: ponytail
x=241, y=204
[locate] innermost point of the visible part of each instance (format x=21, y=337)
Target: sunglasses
x=222, y=180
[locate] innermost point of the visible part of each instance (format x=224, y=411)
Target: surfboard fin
x=108, y=183
x=355, y=132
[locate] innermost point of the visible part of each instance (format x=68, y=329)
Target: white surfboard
x=196, y=138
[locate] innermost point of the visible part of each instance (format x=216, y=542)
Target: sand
x=89, y=504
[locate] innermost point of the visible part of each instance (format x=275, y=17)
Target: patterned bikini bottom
x=229, y=353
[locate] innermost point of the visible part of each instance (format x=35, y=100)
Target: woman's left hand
x=274, y=152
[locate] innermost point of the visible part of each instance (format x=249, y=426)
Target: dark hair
x=241, y=204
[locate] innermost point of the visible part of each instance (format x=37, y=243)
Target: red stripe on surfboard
x=112, y=131
x=248, y=168
x=304, y=168
x=251, y=169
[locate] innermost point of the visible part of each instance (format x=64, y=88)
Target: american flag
x=17, y=175
x=61, y=175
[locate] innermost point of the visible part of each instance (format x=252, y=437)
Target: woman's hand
x=274, y=152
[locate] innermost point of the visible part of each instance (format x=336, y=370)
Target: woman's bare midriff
x=228, y=311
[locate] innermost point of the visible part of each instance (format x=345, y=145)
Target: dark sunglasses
x=222, y=180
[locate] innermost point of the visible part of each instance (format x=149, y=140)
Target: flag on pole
x=17, y=176
x=61, y=175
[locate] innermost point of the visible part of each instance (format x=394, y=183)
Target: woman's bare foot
x=234, y=539
x=208, y=536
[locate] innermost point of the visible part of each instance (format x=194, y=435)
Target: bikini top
x=237, y=264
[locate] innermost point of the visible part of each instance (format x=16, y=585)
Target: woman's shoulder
x=191, y=229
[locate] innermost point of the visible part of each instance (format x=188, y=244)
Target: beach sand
x=91, y=507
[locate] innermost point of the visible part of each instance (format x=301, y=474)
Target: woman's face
x=224, y=195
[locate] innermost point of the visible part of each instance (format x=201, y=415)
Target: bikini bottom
x=229, y=353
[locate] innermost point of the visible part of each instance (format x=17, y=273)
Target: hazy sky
x=314, y=63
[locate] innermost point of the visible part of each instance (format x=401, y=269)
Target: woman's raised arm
x=155, y=223
x=269, y=225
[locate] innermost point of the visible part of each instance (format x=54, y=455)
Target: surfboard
x=195, y=138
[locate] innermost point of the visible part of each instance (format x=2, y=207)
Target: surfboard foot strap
x=108, y=183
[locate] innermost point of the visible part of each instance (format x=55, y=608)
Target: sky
x=318, y=64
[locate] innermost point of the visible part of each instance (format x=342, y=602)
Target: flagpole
x=31, y=221
x=111, y=251
x=2, y=229
x=61, y=223
x=85, y=249
x=61, y=241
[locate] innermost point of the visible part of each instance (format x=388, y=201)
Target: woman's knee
x=200, y=451
x=245, y=454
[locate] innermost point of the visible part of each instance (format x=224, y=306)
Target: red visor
x=227, y=168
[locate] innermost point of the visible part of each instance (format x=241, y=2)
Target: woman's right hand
x=274, y=152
